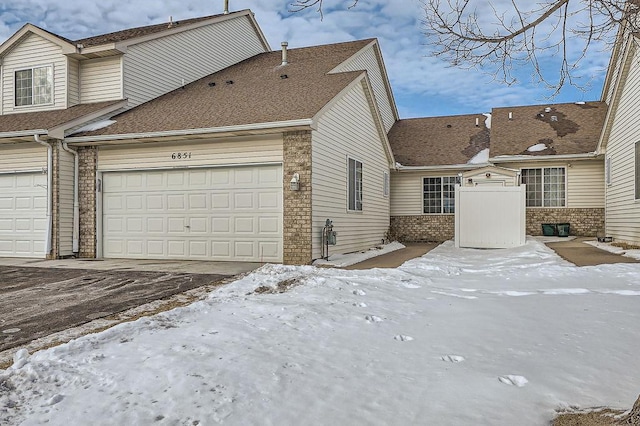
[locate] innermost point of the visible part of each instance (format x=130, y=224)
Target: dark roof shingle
x=48, y=119
x=569, y=128
x=257, y=90
x=438, y=141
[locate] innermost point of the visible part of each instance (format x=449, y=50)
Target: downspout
x=76, y=203
x=37, y=139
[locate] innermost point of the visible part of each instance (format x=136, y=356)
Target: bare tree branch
x=300, y=5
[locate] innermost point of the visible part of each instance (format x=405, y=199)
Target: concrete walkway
x=395, y=258
x=582, y=254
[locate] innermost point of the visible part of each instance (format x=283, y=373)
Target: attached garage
x=23, y=200
x=209, y=213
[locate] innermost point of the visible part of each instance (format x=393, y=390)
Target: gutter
x=307, y=122
x=402, y=168
x=526, y=158
x=22, y=133
x=76, y=203
x=37, y=139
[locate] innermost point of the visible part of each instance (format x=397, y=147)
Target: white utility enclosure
x=489, y=216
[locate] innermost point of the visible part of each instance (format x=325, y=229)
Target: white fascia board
x=459, y=167
x=261, y=36
x=58, y=132
x=545, y=158
x=284, y=125
x=22, y=133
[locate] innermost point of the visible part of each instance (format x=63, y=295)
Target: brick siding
x=583, y=222
x=87, y=157
x=434, y=227
x=297, y=204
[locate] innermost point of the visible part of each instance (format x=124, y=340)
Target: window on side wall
x=355, y=185
x=438, y=194
x=34, y=86
x=546, y=187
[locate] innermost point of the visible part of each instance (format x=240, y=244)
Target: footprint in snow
x=409, y=285
x=403, y=338
x=54, y=399
x=359, y=292
x=452, y=358
x=512, y=380
x=360, y=305
x=373, y=318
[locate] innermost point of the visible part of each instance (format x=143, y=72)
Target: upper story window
x=546, y=187
x=355, y=185
x=34, y=86
x=439, y=194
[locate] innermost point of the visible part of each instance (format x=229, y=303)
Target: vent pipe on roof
x=284, y=52
x=226, y=7
x=477, y=122
x=170, y=22
x=510, y=115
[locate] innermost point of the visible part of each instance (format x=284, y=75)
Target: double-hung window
x=34, y=86
x=438, y=194
x=355, y=185
x=546, y=187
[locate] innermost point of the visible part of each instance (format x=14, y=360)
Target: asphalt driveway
x=37, y=302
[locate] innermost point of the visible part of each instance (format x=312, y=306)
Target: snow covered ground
x=457, y=337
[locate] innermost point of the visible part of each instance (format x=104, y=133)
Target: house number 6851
x=180, y=155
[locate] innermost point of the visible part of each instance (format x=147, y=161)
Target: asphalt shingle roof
x=48, y=119
x=570, y=128
x=437, y=141
x=257, y=90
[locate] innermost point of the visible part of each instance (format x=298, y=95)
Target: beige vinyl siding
x=158, y=66
x=21, y=157
x=73, y=93
x=65, y=201
x=34, y=51
x=367, y=60
x=218, y=152
x=622, y=209
x=585, y=180
x=347, y=130
x=407, y=191
x=101, y=79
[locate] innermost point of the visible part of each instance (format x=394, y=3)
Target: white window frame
x=450, y=208
x=33, y=95
x=386, y=183
x=544, y=198
x=354, y=185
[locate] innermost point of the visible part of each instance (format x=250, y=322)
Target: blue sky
x=422, y=85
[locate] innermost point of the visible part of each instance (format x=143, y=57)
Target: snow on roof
x=481, y=157
x=487, y=122
x=95, y=126
x=537, y=147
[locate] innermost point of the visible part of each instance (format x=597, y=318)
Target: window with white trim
x=355, y=185
x=34, y=86
x=385, y=184
x=546, y=187
x=438, y=194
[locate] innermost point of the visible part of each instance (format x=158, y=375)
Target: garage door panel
x=23, y=209
x=215, y=214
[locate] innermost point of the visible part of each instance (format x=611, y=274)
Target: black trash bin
x=549, y=229
x=563, y=229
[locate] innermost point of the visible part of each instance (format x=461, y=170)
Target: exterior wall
x=22, y=157
x=101, y=79
x=34, y=51
x=297, y=204
x=428, y=227
x=73, y=92
x=585, y=180
x=348, y=130
x=158, y=66
x=586, y=222
x=622, y=209
x=87, y=193
x=367, y=60
x=203, y=153
x=63, y=201
x=406, y=191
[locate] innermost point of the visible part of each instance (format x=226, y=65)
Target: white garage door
x=23, y=214
x=230, y=213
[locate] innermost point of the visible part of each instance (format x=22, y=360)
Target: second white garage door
x=232, y=213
